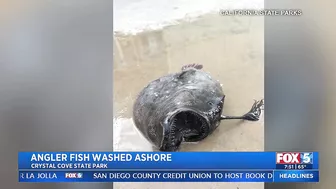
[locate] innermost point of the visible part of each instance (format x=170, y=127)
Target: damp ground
x=231, y=49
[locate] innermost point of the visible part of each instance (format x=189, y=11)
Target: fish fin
x=184, y=72
x=190, y=69
x=195, y=66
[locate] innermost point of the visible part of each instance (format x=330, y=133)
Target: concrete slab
x=230, y=48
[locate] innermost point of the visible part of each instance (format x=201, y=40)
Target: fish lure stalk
x=252, y=115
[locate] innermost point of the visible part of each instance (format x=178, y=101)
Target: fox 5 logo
x=73, y=175
x=306, y=157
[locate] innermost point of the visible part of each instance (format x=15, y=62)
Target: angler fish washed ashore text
x=99, y=157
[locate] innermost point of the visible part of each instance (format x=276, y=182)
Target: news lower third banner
x=168, y=167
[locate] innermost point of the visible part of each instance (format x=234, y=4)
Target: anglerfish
x=183, y=107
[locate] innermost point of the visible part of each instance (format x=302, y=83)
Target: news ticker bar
x=164, y=160
x=170, y=176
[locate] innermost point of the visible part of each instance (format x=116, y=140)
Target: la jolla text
x=169, y=176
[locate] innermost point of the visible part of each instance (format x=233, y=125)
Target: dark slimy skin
x=185, y=106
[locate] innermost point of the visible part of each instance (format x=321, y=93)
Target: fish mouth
x=188, y=125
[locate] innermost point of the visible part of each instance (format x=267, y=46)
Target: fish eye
x=210, y=103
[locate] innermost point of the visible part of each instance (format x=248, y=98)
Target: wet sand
x=230, y=49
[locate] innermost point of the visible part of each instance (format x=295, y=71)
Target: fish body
x=184, y=106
